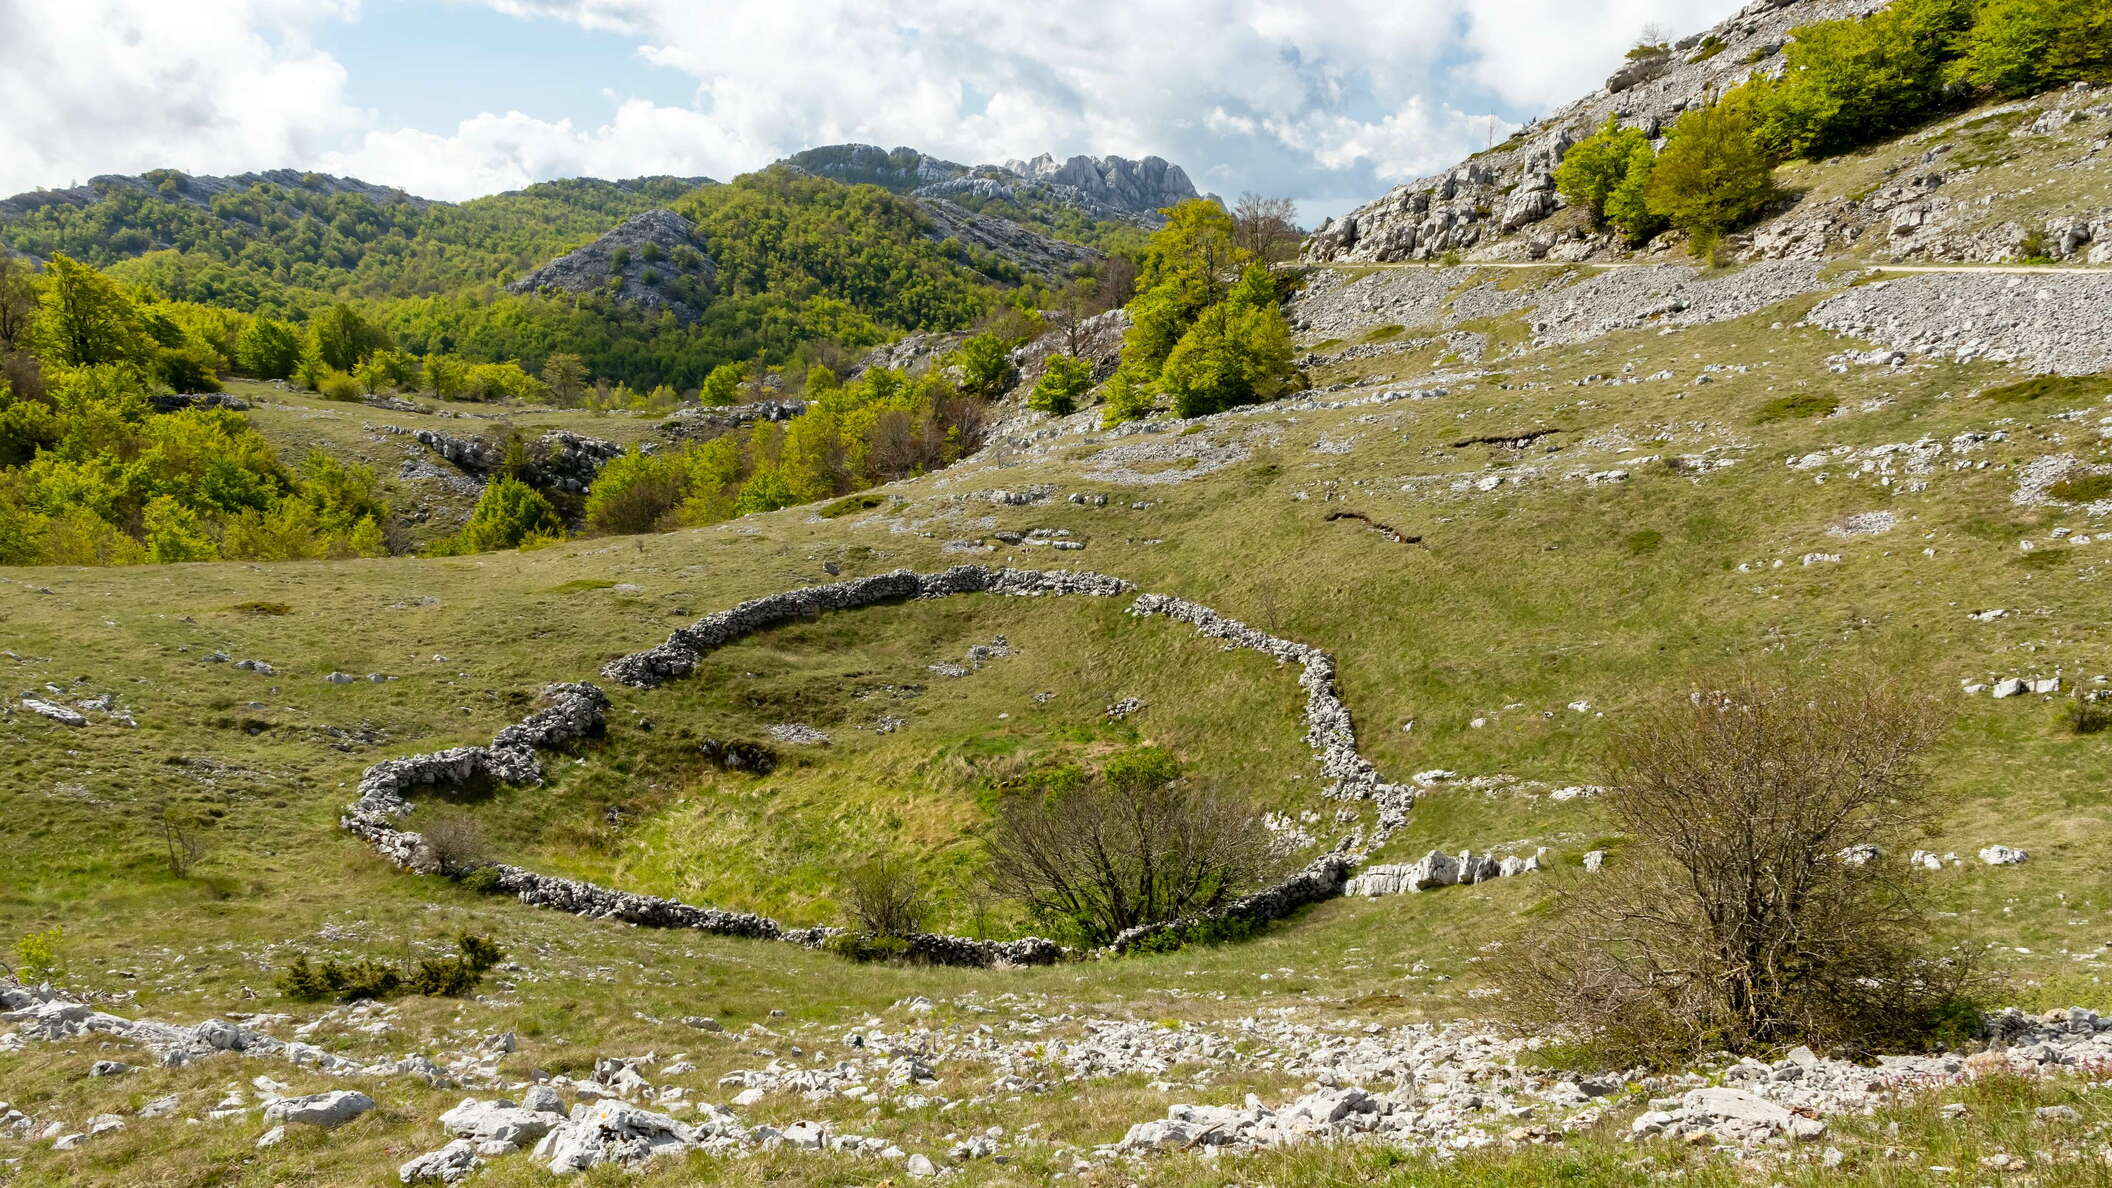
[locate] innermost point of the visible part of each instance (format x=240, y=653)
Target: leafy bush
x=1065, y=379
x=1598, y=165
x=484, y=880
x=636, y=493
x=508, y=515
x=37, y=956
x=986, y=366
x=336, y=385
x=1711, y=177
x=2084, y=715
x=2021, y=47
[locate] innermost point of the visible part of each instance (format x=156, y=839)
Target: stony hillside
x=654, y=261
x=535, y=865
x=1996, y=184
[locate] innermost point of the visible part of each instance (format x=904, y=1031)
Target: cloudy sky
x=1327, y=101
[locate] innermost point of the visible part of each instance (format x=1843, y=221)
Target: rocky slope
x=655, y=261
x=2000, y=184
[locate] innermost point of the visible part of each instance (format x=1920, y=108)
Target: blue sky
x=1328, y=102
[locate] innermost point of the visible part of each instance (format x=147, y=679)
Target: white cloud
x=102, y=86
x=1326, y=102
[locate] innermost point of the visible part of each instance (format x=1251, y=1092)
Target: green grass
x=2051, y=387
x=1798, y=405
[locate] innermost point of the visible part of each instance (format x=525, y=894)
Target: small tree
x=1732, y=919
x=1136, y=844
x=509, y=514
x=1597, y=166
x=986, y=365
x=1711, y=176
x=566, y=377
x=18, y=302
x=1064, y=379
x=1266, y=228
x=884, y=899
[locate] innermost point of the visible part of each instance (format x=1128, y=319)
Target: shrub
x=456, y=841
x=37, y=956
x=883, y=897
x=2082, y=715
x=336, y=385
x=1733, y=923
x=508, y=515
x=1135, y=845
x=1066, y=378
x=1598, y=165
x=986, y=366
x=181, y=842
x=366, y=978
x=485, y=880
x=854, y=946
x=1711, y=178
x=1848, y=83
x=636, y=493
x=2022, y=47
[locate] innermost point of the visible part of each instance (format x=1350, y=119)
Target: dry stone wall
x=575, y=711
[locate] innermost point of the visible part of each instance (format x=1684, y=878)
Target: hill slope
x=1521, y=503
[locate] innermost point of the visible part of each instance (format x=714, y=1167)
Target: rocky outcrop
x=1051, y=259
x=559, y=460
x=1115, y=183
x=1510, y=188
x=697, y=424
x=656, y=261
x=1099, y=187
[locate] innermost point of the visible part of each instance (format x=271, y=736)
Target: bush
x=1848, y=83
x=1733, y=922
x=508, y=515
x=1598, y=165
x=2022, y=47
x=456, y=841
x=1711, y=178
x=1135, y=845
x=884, y=899
x=863, y=948
x=37, y=956
x=986, y=366
x=366, y=978
x=636, y=493
x=484, y=880
x=2081, y=715
x=1066, y=378
x=336, y=385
